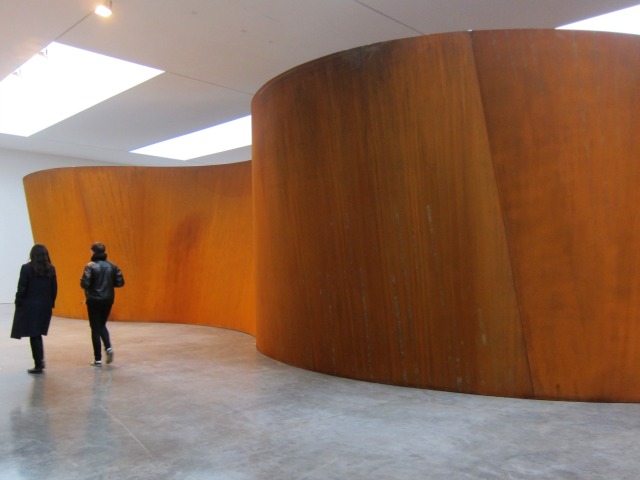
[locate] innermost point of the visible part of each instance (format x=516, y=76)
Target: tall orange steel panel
x=380, y=246
x=182, y=236
x=562, y=111
x=456, y=211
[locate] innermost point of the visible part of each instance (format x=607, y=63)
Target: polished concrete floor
x=188, y=402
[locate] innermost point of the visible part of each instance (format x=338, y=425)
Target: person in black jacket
x=35, y=300
x=99, y=279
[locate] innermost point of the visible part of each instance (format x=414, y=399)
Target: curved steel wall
x=182, y=236
x=455, y=211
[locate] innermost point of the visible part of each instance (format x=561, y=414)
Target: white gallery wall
x=16, y=239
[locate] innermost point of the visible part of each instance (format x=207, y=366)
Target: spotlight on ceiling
x=104, y=9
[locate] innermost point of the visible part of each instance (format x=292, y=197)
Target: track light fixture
x=104, y=9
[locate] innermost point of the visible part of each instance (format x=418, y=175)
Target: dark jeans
x=37, y=350
x=98, y=315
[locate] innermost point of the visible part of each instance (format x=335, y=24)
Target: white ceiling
x=218, y=53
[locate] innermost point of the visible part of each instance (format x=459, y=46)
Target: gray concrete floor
x=189, y=402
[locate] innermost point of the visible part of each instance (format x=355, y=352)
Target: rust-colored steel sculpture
x=455, y=211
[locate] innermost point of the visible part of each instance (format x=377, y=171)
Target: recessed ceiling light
x=59, y=82
x=216, y=139
x=104, y=9
x=626, y=20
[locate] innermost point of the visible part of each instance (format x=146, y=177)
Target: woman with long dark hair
x=35, y=300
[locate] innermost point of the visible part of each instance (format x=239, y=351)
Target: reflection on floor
x=187, y=402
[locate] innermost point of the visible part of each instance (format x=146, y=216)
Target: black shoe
x=34, y=370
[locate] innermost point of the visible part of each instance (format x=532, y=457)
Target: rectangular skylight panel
x=216, y=139
x=60, y=82
x=626, y=20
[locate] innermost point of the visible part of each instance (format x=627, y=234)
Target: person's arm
x=87, y=275
x=54, y=288
x=119, y=279
x=23, y=285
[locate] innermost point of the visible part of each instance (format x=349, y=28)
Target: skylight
x=60, y=82
x=216, y=139
x=626, y=20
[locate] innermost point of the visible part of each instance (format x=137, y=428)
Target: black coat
x=35, y=299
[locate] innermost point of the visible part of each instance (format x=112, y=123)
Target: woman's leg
x=37, y=351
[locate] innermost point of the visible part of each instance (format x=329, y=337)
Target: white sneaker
x=96, y=363
x=109, y=355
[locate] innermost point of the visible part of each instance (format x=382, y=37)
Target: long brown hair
x=40, y=261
